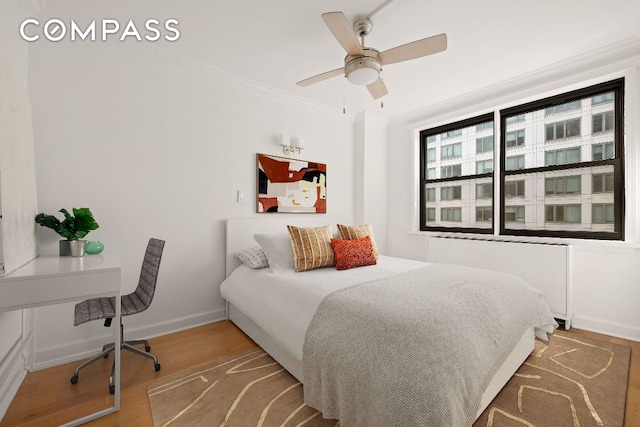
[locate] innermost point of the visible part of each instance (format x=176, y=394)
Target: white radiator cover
x=544, y=266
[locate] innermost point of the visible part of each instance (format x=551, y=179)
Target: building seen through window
x=560, y=169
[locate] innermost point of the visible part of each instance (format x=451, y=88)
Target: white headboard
x=240, y=231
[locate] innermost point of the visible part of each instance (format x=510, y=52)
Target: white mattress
x=283, y=304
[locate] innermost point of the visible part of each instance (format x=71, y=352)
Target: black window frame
x=499, y=175
x=617, y=86
x=426, y=135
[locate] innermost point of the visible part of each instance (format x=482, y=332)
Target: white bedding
x=284, y=303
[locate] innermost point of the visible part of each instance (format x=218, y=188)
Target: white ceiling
x=276, y=43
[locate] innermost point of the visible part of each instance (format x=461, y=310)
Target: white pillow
x=277, y=248
x=253, y=257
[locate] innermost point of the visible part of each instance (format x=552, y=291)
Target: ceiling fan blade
x=377, y=89
x=342, y=30
x=413, y=50
x=320, y=77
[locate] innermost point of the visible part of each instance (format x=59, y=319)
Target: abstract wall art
x=290, y=185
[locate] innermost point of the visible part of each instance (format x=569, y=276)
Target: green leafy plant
x=74, y=226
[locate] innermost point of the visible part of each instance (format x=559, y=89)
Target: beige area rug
x=573, y=382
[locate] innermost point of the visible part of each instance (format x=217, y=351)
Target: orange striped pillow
x=351, y=232
x=311, y=247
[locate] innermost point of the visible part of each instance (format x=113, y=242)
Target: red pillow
x=353, y=253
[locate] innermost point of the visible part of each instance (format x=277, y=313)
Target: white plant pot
x=77, y=247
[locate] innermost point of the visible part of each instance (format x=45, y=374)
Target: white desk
x=48, y=280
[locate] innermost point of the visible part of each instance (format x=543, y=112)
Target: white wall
x=17, y=192
x=606, y=275
x=158, y=146
x=371, y=174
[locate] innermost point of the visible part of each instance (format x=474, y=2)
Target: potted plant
x=73, y=228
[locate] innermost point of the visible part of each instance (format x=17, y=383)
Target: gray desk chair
x=136, y=302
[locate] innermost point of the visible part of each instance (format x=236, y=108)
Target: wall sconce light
x=291, y=145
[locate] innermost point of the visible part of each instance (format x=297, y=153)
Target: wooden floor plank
x=47, y=398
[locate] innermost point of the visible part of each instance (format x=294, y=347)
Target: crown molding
x=195, y=68
x=590, y=65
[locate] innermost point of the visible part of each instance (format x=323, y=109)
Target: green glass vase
x=93, y=247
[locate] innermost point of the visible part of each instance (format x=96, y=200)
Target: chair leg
x=112, y=385
x=108, y=348
x=127, y=346
x=147, y=348
x=104, y=353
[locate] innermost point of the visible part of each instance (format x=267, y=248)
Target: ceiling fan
x=362, y=65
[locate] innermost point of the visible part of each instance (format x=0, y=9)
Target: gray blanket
x=417, y=349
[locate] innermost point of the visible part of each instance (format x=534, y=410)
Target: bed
x=277, y=310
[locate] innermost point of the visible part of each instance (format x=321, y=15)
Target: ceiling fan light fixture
x=363, y=65
x=363, y=76
x=363, y=70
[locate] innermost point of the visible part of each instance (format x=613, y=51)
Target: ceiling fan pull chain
x=344, y=106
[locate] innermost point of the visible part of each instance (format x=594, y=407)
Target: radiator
x=544, y=266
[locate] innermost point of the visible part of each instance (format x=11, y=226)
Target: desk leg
x=118, y=345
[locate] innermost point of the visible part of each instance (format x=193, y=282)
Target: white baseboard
x=12, y=373
x=606, y=327
x=65, y=352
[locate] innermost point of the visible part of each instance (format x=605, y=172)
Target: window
x=483, y=213
x=465, y=174
x=484, y=166
x=518, y=118
x=562, y=213
x=560, y=170
x=431, y=155
x=451, y=214
x=451, y=151
x=432, y=139
x=514, y=188
x=562, y=157
x=563, y=107
x=602, y=122
x=514, y=213
x=451, y=171
x=431, y=173
x=562, y=185
x=431, y=214
x=602, y=213
x=451, y=193
x=484, y=191
x=602, y=183
x=485, y=126
x=564, y=129
x=574, y=187
x=484, y=145
x=603, y=151
x=515, y=162
x=515, y=138
x=431, y=194
x=607, y=97
x=451, y=134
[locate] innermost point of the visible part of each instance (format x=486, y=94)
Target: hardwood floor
x=47, y=398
